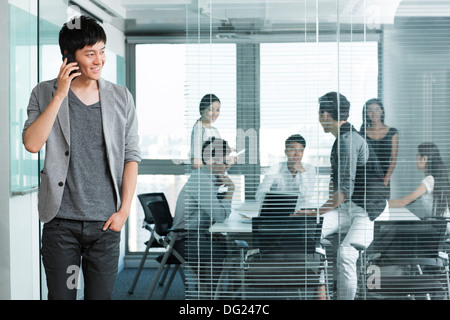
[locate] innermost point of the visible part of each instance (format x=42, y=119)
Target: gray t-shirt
x=88, y=192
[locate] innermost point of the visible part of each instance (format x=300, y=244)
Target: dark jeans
x=68, y=243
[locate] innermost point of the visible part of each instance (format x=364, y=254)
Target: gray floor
x=125, y=278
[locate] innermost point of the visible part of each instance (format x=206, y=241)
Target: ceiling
x=231, y=17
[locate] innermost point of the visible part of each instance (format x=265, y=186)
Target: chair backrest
x=293, y=234
x=402, y=240
x=161, y=214
x=145, y=199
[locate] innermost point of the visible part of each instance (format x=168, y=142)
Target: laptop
x=279, y=204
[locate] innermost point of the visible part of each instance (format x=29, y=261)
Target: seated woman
x=434, y=189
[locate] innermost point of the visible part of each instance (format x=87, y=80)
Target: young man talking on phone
x=89, y=128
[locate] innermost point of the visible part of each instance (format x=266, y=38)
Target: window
x=170, y=82
x=273, y=71
x=293, y=76
x=171, y=79
x=160, y=100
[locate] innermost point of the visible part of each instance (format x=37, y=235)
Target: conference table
x=240, y=219
x=239, y=223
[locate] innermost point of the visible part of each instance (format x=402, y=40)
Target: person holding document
x=204, y=129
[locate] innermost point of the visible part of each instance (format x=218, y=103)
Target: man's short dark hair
x=74, y=36
x=336, y=105
x=295, y=138
x=215, y=148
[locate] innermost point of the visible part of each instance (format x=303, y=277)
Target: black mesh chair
x=167, y=237
x=156, y=208
x=406, y=260
x=148, y=224
x=286, y=256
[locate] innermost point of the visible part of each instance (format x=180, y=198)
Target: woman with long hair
x=203, y=129
x=434, y=189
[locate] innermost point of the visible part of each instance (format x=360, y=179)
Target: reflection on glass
x=23, y=77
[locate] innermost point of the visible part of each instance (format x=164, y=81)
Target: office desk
x=240, y=220
x=239, y=223
x=234, y=281
x=397, y=214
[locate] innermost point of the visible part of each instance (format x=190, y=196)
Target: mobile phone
x=70, y=59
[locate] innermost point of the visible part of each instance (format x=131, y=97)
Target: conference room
x=264, y=68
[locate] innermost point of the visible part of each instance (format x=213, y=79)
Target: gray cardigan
x=120, y=129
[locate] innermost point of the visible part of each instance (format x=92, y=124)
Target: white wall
x=24, y=247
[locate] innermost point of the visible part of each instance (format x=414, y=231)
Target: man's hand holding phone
x=67, y=73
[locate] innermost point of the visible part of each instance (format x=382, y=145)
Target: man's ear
x=326, y=115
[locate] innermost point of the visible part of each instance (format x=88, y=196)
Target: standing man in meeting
x=89, y=127
x=357, y=191
x=292, y=175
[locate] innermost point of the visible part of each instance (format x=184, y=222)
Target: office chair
x=167, y=237
x=285, y=256
x=148, y=224
x=406, y=260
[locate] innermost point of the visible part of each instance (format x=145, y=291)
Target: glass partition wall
x=268, y=63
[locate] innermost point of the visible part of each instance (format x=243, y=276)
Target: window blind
x=268, y=72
